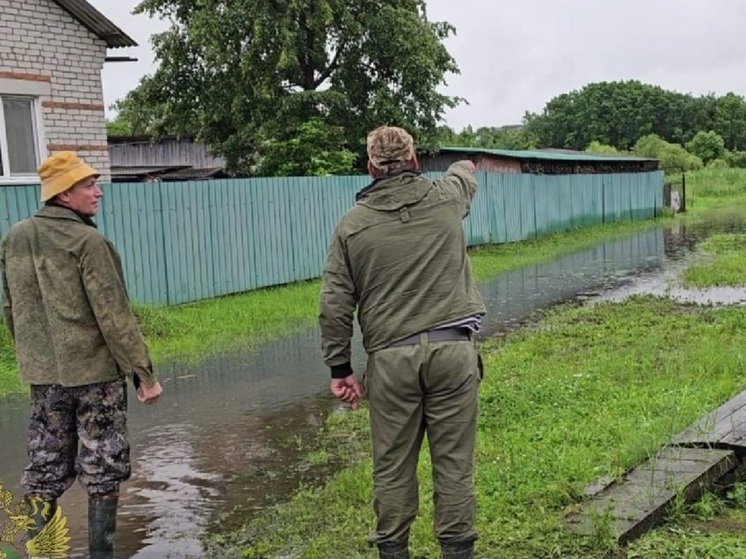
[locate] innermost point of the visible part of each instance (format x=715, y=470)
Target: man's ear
x=371, y=169
x=415, y=163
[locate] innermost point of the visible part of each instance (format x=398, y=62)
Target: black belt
x=440, y=335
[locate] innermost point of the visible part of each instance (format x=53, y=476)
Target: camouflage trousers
x=92, y=417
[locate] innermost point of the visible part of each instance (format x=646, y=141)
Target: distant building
x=142, y=159
x=51, y=99
x=546, y=162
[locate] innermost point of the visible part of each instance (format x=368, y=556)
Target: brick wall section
x=40, y=41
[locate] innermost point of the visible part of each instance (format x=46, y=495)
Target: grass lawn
x=587, y=392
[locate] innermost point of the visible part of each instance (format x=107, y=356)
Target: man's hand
x=348, y=390
x=149, y=394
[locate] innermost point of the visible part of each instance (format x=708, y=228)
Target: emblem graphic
x=51, y=542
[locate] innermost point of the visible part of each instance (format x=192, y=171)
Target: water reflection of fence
x=512, y=297
x=184, y=242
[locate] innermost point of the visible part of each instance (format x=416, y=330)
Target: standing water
x=226, y=432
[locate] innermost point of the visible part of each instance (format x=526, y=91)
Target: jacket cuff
x=341, y=371
x=142, y=376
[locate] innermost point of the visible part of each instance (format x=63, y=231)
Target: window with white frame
x=21, y=137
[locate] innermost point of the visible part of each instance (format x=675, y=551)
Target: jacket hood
x=394, y=193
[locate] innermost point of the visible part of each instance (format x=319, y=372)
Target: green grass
x=589, y=392
x=722, y=262
x=715, y=183
x=712, y=189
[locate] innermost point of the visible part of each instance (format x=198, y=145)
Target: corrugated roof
x=194, y=173
x=544, y=155
x=143, y=170
x=97, y=23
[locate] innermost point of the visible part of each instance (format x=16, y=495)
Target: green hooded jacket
x=65, y=303
x=399, y=258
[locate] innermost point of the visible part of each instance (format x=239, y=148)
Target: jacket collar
x=50, y=210
x=376, y=182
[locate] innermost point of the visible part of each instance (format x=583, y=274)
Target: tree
x=137, y=115
x=316, y=150
x=619, y=113
x=597, y=147
x=246, y=74
x=708, y=146
x=673, y=157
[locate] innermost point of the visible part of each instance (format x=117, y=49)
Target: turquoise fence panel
x=494, y=184
x=17, y=203
x=513, y=199
x=527, y=206
x=641, y=209
x=543, y=210
x=565, y=193
x=130, y=215
x=183, y=242
x=613, y=199
x=586, y=193
x=477, y=224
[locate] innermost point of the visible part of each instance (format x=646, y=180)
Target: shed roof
x=545, y=155
x=97, y=23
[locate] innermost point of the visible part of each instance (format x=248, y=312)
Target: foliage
x=316, y=149
x=673, y=158
x=708, y=146
x=736, y=159
x=138, y=115
x=506, y=137
x=245, y=75
x=597, y=147
x=619, y=113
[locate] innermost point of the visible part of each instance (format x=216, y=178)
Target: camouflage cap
x=389, y=144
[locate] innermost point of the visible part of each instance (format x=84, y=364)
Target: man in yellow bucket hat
x=76, y=341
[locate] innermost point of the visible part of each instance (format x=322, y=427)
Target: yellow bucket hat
x=60, y=172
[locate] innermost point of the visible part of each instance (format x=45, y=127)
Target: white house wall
x=45, y=52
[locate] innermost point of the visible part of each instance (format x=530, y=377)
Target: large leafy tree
x=246, y=74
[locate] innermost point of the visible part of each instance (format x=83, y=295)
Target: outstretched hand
x=348, y=390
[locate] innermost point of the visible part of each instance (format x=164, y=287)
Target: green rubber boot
x=102, y=525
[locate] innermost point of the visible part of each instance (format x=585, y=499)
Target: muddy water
x=225, y=435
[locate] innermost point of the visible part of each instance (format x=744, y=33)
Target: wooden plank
x=640, y=501
x=715, y=425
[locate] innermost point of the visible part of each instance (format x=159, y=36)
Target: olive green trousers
x=415, y=390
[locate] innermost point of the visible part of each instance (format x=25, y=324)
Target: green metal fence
x=183, y=242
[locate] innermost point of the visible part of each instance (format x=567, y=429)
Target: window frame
x=37, y=123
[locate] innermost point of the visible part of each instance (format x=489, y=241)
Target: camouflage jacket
x=65, y=303
x=399, y=257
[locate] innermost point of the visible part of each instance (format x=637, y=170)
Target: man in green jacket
x=399, y=258
x=76, y=341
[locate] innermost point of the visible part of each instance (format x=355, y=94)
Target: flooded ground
x=225, y=436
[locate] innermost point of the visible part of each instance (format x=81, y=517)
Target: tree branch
x=333, y=65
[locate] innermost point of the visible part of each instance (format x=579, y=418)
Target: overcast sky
x=516, y=55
